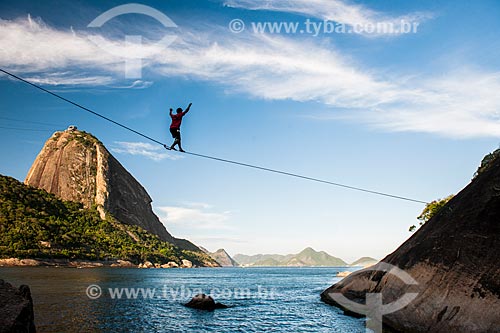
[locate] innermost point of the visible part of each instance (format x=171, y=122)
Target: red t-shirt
x=177, y=119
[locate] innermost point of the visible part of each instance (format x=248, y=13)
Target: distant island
x=306, y=258
x=364, y=262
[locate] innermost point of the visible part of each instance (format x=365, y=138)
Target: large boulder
x=123, y=263
x=204, y=302
x=186, y=263
x=12, y=262
x=170, y=264
x=16, y=309
x=454, y=258
x=146, y=264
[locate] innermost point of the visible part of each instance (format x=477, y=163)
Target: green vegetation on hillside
x=430, y=210
x=487, y=162
x=85, y=138
x=36, y=224
x=435, y=206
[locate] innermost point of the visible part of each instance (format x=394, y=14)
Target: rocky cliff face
x=223, y=258
x=76, y=166
x=16, y=309
x=454, y=259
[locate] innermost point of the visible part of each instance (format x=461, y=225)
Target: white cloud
x=273, y=67
x=460, y=104
x=201, y=205
x=137, y=84
x=197, y=221
x=334, y=10
x=251, y=64
x=148, y=150
x=194, y=216
x=31, y=46
x=57, y=79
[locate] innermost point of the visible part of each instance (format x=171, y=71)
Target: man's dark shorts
x=176, y=133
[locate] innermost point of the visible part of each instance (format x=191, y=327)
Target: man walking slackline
x=175, y=127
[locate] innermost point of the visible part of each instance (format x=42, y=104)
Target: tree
x=487, y=162
x=430, y=210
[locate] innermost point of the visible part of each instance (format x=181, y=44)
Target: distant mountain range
x=307, y=257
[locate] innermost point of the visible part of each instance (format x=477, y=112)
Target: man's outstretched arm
x=188, y=108
x=171, y=110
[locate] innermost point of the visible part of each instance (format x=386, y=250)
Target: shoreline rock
x=67, y=263
x=16, y=309
x=123, y=264
x=343, y=273
x=14, y=262
x=186, y=264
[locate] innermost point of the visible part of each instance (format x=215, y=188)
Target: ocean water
x=260, y=299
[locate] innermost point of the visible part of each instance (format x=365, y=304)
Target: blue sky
x=406, y=113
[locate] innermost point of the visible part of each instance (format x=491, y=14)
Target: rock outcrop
x=170, y=264
x=146, y=264
x=186, y=263
x=13, y=262
x=75, y=166
x=204, y=302
x=123, y=263
x=223, y=258
x=16, y=309
x=454, y=259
